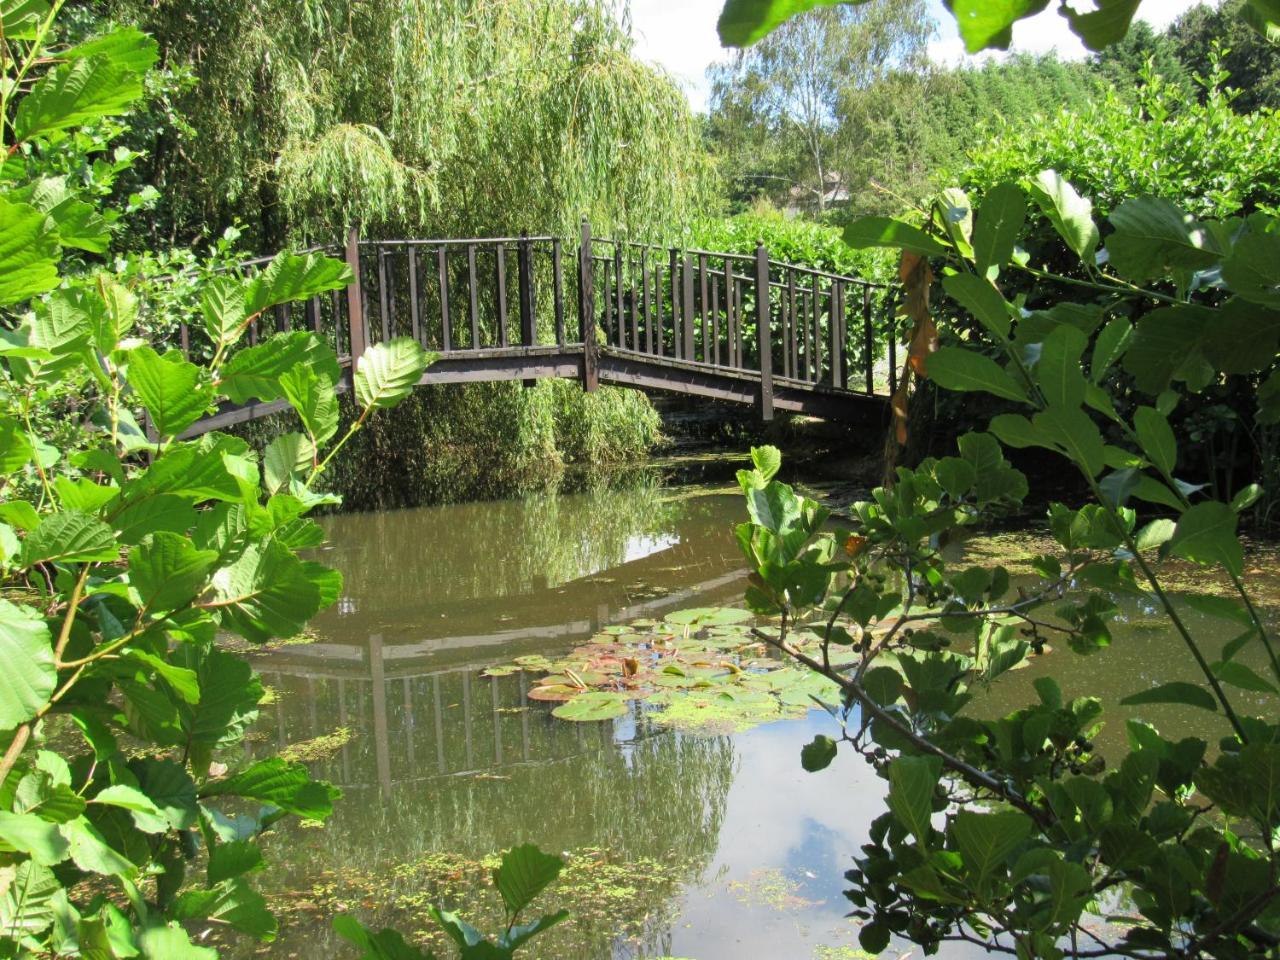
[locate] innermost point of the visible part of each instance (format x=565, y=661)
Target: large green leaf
x=1110, y=346
x=387, y=372
x=1242, y=338
x=1252, y=268
x=255, y=372
x=170, y=388
x=1177, y=691
x=743, y=22
x=1070, y=213
x=232, y=902
x=29, y=252
x=292, y=276
x=147, y=817
x=36, y=837
x=386, y=944
x=912, y=781
x=91, y=851
x=885, y=232
x=987, y=840
x=1104, y=26
x=955, y=368
x=1059, y=371
x=21, y=19
x=524, y=873
x=15, y=449
x=285, y=785
x=125, y=46
x=70, y=536
x=77, y=93
x=229, y=695
x=168, y=571
x=172, y=943
x=222, y=304
x=1167, y=345
x=989, y=23
x=25, y=901
x=1263, y=16
x=1156, y=438
x=312, y=395
x=287, y=456
x=1206, y=533
x=1153, y=237
x=983, y=300
x=266, y=593
x=1000, y=221
x=818, y=753
x=1076, y=434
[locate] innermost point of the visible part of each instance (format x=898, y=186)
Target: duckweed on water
x=610, y=900
x=699, y=671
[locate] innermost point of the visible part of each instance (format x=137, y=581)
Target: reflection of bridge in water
x=417, y=707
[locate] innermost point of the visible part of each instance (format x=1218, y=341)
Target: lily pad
x=592, y=706
x=708, y=616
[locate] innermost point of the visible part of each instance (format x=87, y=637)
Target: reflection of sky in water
x=642, y=546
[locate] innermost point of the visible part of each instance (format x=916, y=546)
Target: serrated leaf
x=266, y=593
x=36, y=837
x=168, y=571
x=255, y=372
x=285, y=785
x=291, y=276
x=910, y=799
x=987, y=840
x=147, y=817
x=15, y=449
x=74, y=94
x=124, y=46
x=312, y=395
x=29, y=253
x=1250, y=269
x=387, y=372
x=27, y=674
x=170, y=388
x=70, y=536
x=287, y=456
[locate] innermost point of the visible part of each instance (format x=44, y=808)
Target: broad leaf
x=818, y=753
x=743, y=22
x=287, y=456
x=15, y=449
x=1104, y=26
x=955, y=368
x=285, y=785
x=266, y=593
x=1252, y=268
x=1206, y=533
x=980, y=298
x=885, y=232
x=912, y=781
x=1070, y=213
x=987, y=840
x=1059, y=372
x=29, y=252
x=36, y=837
x=1000, y=221
x=168, y=571
x=1188, y=694
x=70, y=536
x=312, y=395
x=291, y=277
x=1153, y=237
x=989, y=23
x=1156, y=438
x=76, y=93
x=170, y=388
x=524, y=873
x=255, y=372
x=387, y=372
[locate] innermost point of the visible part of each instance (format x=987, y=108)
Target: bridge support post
x=686, y=313
x=763, y=339
x=355, y=300
x=587, y=310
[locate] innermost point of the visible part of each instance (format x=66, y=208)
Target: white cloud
x=680, y=35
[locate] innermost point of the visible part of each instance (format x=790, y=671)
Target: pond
x=678, y=845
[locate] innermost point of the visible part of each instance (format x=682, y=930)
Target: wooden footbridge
x=742, y=328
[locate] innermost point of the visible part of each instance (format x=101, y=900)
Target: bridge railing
x=529, y=296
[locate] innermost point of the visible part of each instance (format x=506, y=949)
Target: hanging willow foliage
x=443, y=117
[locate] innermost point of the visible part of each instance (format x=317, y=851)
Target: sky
x=681, y=36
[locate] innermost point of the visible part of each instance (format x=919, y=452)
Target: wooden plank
x=764, y=342
x=472, y=284
x=500, y=278
x=414, y=323
x=355, y=298
x=557, y=268
x=446, y=327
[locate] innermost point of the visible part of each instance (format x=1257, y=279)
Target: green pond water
x=701, y=847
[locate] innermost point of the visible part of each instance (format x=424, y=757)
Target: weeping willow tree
x=429, y=118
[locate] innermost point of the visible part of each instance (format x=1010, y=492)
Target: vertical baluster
x=893, y=354
x=817, y=329
x=500, y=271
x=730, y=322
x=355, y=298
x=284, y=318
x=739, y=292
x=677, y=335
x=384, y=294
x=474, y=305
x=524, y=282
x=645, y=292
x=414, y=319
x=686, y=317
x=184, y=337
x=635, y=307
x=659, y=334
x=446, y=327
x=610, y=334
x=702, y=309
x=715, y=322
x=793, y=331
x=558, y=290
x=868, y=341
x=339, y=345
x=618, y=294
x=313, y=314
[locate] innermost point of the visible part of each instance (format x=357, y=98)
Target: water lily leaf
x=597, y=705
